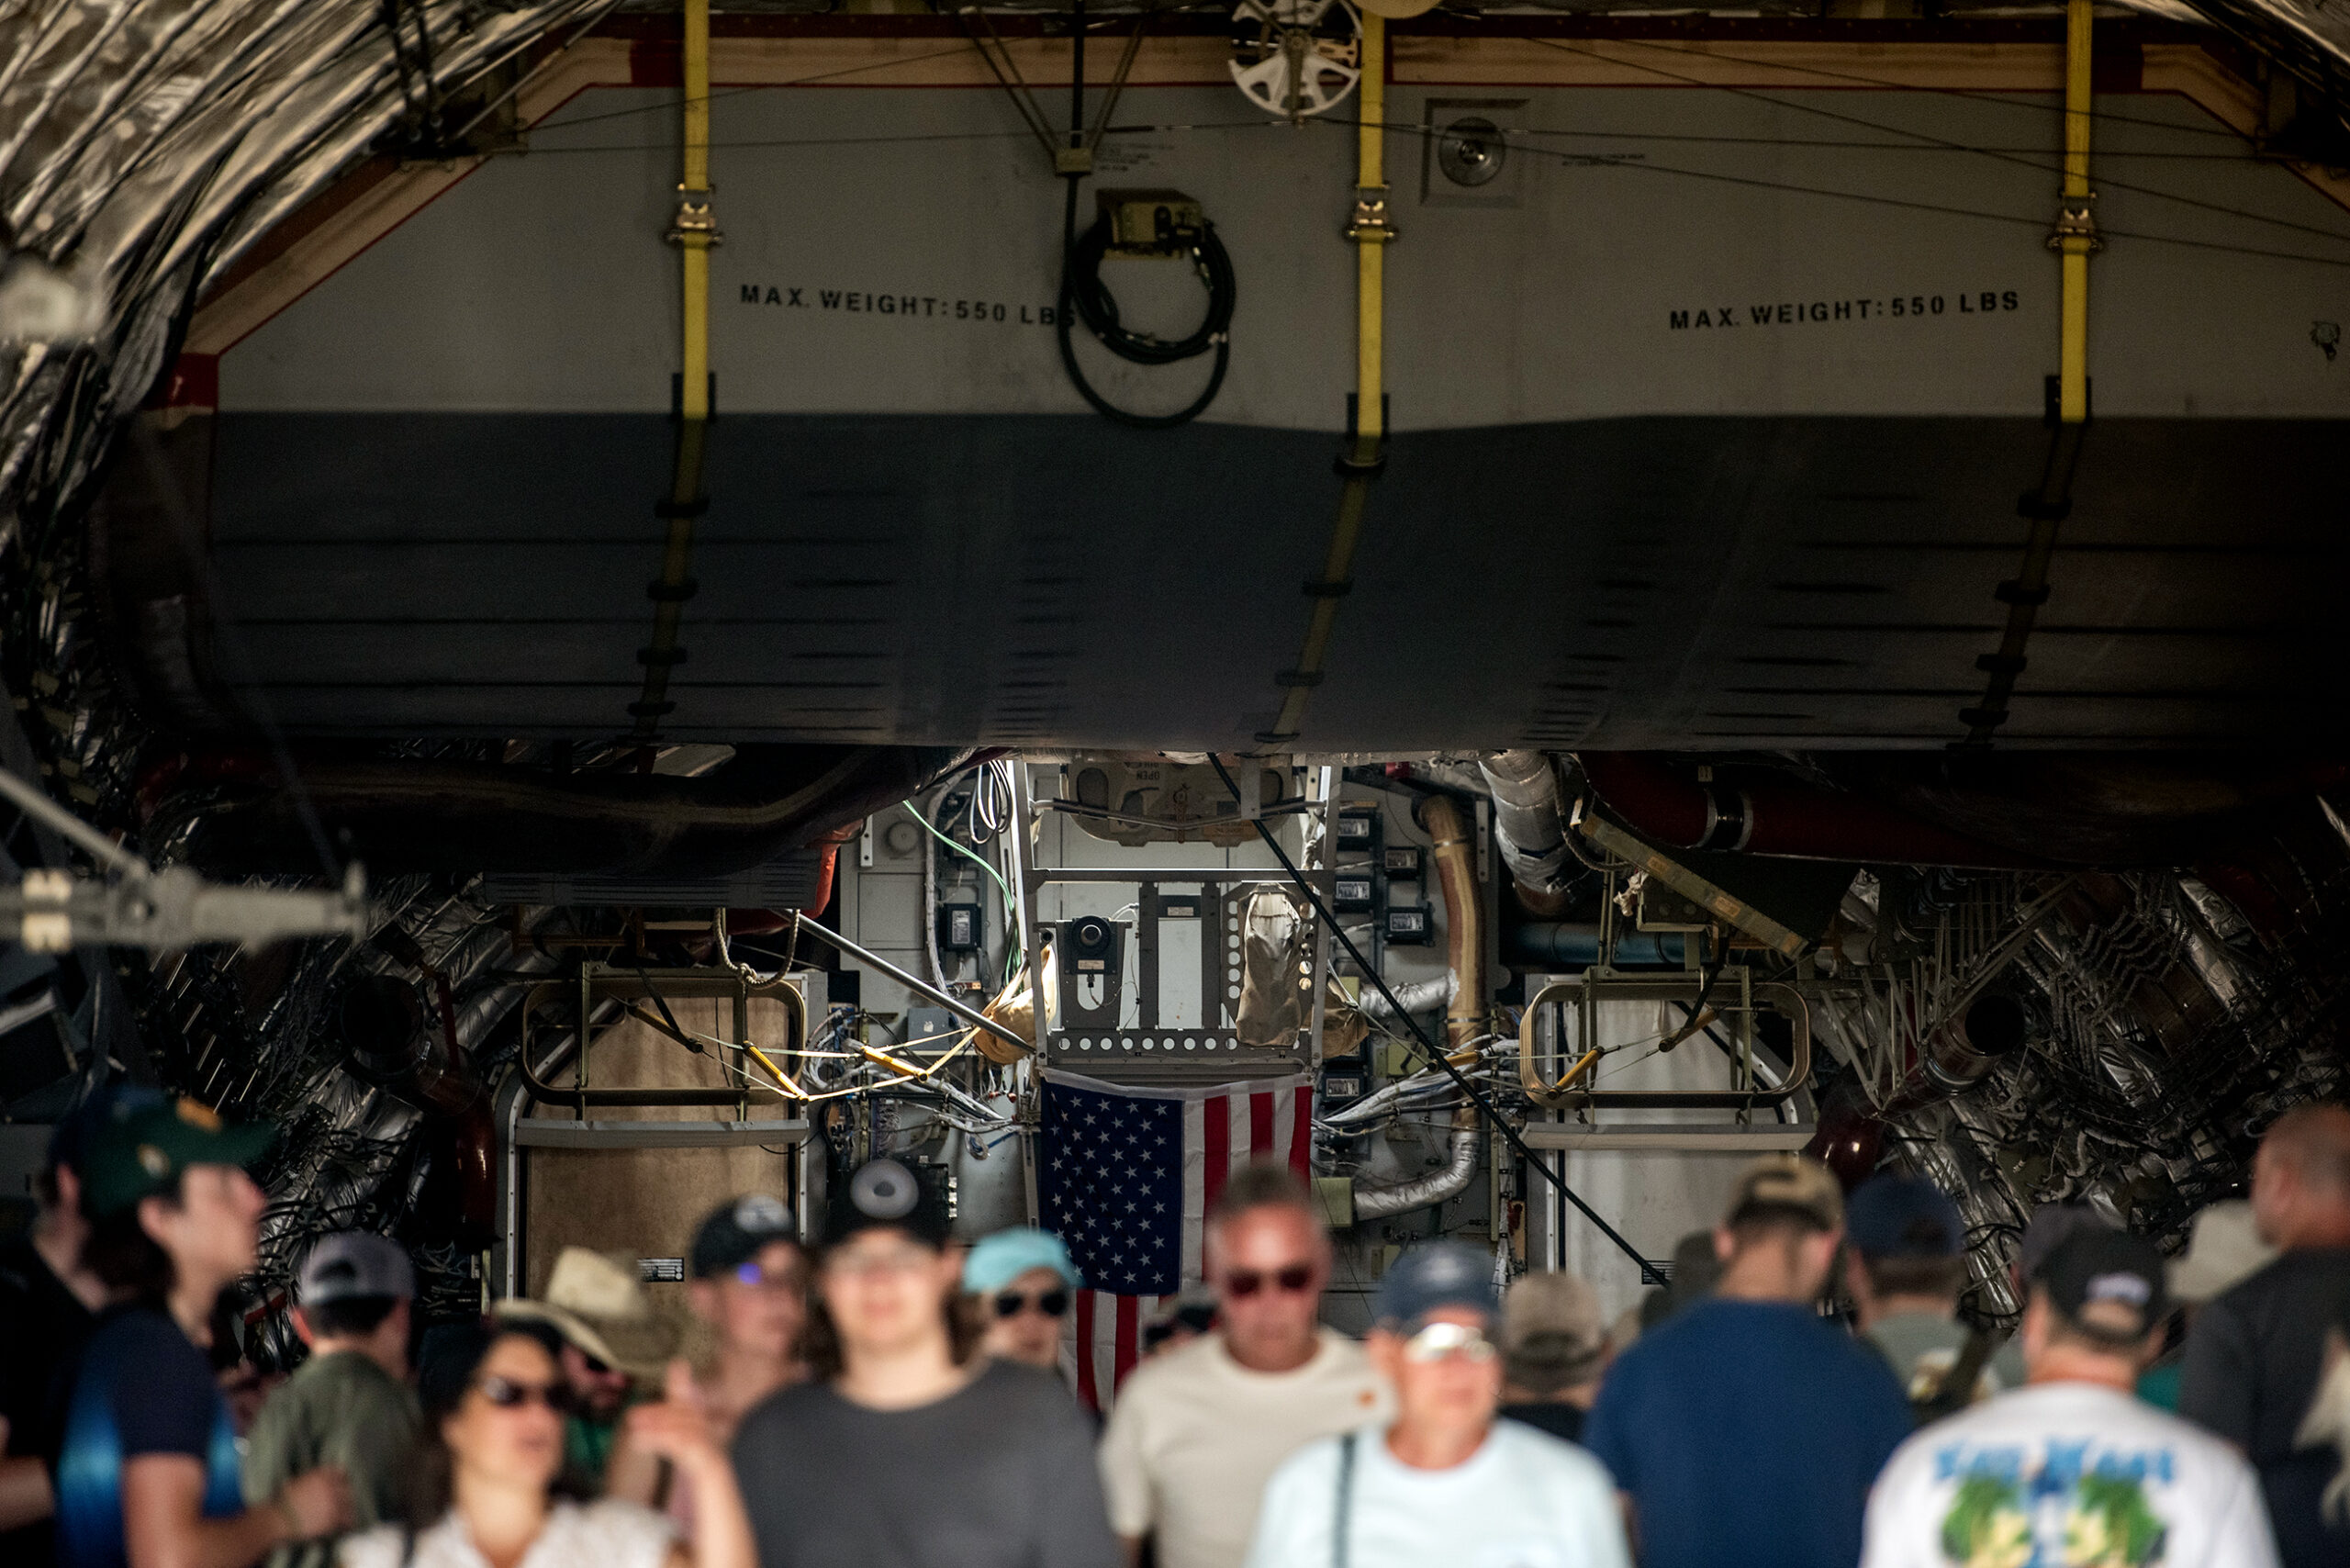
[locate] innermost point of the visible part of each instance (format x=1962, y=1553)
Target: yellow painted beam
x=2077, y=235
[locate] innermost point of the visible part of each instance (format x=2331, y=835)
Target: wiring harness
x=1084, y=295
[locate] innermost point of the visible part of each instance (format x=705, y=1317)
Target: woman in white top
x=488, y=1478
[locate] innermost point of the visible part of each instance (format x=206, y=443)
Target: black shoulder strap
x=1957, y=1390
x=1339, y=1525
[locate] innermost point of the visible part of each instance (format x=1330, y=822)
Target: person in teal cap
x=1022, y=1281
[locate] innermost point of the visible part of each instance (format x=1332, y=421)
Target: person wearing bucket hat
x=1022, y=1281
x=47, y=1298
x=906, y=1449
x=1687, y=1412
x=596, y=1322
x=148, y=1453
x=1444, y=1481
x=2071, y=1467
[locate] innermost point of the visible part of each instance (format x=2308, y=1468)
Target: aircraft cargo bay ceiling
x=641, y=506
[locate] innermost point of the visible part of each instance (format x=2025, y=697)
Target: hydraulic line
x=1419, y=1038
x=693, y=232
x=2048, y=504
x=1365, y=455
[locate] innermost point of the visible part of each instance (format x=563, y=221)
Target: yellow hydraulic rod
x=2076, y=234
x=1370, y=232
x=693, y=232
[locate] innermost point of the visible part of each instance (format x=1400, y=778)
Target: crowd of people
x=887, y=1399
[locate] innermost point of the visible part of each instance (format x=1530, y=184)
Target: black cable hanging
x=1084, y=294
x=1648, y=1275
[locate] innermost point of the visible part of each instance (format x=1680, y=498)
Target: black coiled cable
x=1084, y=294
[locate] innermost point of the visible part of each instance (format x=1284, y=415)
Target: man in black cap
x=47, y=1302
x=2072, y=1468
x=904, y=1452
x=147, y=1471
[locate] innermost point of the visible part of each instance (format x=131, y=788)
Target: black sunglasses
x=507, y=1395
x=1052, y=1302
x=1249, y=1281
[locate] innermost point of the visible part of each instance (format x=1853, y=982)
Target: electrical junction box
x=1343, y=1086
x=961, y=928
x=1350, y=892
x=1151, y=224
x=929, y=1022
x=1400, y=862
x=1358, y=831
x=1410, y=925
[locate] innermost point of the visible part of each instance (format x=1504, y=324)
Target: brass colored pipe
x=1465, y=920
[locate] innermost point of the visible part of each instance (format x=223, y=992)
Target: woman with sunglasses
x=1021, y=1282
x=905, y=1450
x=488, y=1493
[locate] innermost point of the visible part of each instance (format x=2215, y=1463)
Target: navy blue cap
x=1891, y=1216
x=1435, y=1274
x=71, y=1135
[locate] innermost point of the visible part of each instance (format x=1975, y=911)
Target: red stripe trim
x=1260, y=1127
x=1087, y=1393
x=1216, y=1145
x=1300, y=1133
x=1129, y=1337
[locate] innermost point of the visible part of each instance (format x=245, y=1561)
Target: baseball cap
x=2107, y=1284
x=1787, y=1182
x=1891, y=1216
x=2049, y=1226
x=139, y=1146
x=1435, y=1274
x=2222, y=1251
x=885, y=1193
x=1552, y=1333
x=1007, y=1254
x=69, y=1137
x=733, y=1234
x=347, y=1264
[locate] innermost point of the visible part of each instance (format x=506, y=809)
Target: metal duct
x=1530, y=826
x=1418, y=996
x=404, y=815
x=1771, y=814
x=1372, y=1203
x=1464, y=922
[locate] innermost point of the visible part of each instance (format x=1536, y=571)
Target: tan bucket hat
x=595, y=1301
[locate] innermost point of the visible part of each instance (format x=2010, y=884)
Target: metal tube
x=2076, y=240
x=1372, y=1203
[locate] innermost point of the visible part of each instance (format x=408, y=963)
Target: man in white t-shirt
x=1196, y=1433
x=2070, y=1469
x=1446, y=1483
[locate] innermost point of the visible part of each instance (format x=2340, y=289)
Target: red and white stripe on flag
x=1226, y=1126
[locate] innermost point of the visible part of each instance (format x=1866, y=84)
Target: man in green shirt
x=350, y=1403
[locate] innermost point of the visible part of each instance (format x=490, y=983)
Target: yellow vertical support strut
x=693, y=232
x=1365, y=455
x=2076, y=234
x=2050, y=501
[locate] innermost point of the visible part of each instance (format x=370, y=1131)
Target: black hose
x=1084, y=293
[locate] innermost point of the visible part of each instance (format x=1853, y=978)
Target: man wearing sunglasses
x=1446, y=1482
x=1197, y=1432
x=1022, y=1281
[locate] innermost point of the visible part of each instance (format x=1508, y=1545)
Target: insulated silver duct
x=1418, y=996
x=1372, y=1203
x=1527, y=822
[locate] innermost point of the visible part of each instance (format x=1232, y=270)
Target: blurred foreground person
x=749, y=1283
x=2072, y=1469
x=2255, y=1355
x=1022, y=1281
x=1691, y=1417
x=1908, y=1250
x=1445, y=1483
x=596, y=1322
x=349, y=1404
x=2223, y=1249
x=147, y=1474
x=1197, y=1432
x=1179, y=1320
x=906, y=1450
x=1554, y=1348
x=486, y=1476
x=48, y=1302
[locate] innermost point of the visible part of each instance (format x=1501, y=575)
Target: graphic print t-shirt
x=2067, y=1475
x=143, y=1388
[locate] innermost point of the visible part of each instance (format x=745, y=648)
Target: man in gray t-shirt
x=1909, y=1264
x=902, y=1454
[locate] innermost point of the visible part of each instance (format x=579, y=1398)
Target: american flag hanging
x=1126, y=1176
